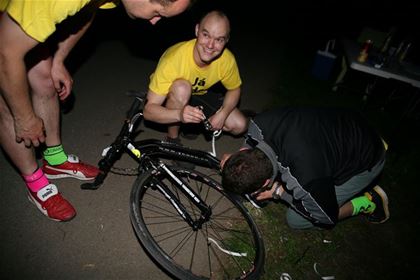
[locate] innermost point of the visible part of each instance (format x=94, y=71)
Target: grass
x=354, y=249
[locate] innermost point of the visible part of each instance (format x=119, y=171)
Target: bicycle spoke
x=181, y=244
x=159, y=210
x=156, y=196
x=216, y=256
x=193, y=250
x=232, y=257
x=208, y=251
x=174, y=233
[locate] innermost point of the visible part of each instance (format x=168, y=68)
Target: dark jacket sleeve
x=316, y=201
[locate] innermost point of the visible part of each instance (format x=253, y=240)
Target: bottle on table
x=364, y=53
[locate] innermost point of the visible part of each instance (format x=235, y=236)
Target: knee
x=44, y=89
x=180, y=92
x=238, y=125
x=242, y=124
x=41, y=83
x=296, y=221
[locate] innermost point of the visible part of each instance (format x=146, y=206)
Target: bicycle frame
x=147, y=153
x=194, y=197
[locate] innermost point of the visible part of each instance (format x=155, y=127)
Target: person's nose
x=210, y=44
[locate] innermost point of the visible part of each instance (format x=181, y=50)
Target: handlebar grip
x=135, y=107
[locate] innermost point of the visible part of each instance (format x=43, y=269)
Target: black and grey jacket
x=314, y=151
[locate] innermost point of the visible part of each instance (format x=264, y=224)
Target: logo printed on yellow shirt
x=198, y=86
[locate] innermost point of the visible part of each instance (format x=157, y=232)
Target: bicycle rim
x=228, y=246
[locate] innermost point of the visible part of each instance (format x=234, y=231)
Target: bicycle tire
x=232, y=229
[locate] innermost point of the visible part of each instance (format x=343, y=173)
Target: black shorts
x=211, y=102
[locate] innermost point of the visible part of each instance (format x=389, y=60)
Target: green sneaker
x=381, y=212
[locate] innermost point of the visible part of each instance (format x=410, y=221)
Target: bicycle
x=183, y=218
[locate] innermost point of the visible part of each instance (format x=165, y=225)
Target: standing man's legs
x=57, y=164
x=45, y=105
x=43, y=194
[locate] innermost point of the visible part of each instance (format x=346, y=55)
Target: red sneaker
x=52, y=204
x=73, y=167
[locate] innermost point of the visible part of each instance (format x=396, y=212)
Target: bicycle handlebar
x=137, y=104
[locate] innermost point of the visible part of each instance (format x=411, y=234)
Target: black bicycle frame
x=205, y=210
x=153, y=148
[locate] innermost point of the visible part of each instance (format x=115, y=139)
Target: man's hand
x=62, y=80
x=218, y=120
x=268, y=194
x=31, y=131
x=190, y=114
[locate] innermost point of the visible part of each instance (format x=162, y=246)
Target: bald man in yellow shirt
x=29, y=94
x=186, y=71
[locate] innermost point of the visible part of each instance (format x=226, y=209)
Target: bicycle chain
x=125, y=171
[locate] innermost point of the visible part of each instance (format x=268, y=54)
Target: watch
x=276, y=193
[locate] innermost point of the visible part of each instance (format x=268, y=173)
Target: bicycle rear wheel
x=228, y=246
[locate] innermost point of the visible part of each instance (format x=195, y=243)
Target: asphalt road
x=99, y=243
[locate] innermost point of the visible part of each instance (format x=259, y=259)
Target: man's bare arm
x=154, y=111
x=62, y=80
x=230, y=102
x=14, y=45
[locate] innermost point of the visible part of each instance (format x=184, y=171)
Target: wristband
x=276, y=193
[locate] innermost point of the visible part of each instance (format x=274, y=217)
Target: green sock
x=55, y=155
x=362, y=204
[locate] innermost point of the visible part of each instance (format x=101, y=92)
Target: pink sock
x=36, y=181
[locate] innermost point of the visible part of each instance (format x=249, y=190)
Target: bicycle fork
x=205, y=210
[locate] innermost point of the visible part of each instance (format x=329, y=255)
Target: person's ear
x=225, y=157
x=197, y=26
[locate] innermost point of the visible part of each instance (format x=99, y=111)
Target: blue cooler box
x=324, y=63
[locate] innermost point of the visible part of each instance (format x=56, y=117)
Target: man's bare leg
x=45, y=100
x=22, y=157
x=178, y=98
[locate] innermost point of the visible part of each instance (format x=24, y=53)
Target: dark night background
x=308, y=24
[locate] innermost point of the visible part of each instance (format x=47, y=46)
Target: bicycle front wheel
x=227, y=246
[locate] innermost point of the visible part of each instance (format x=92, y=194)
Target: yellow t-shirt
x=38, y=18
x=177, y=63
